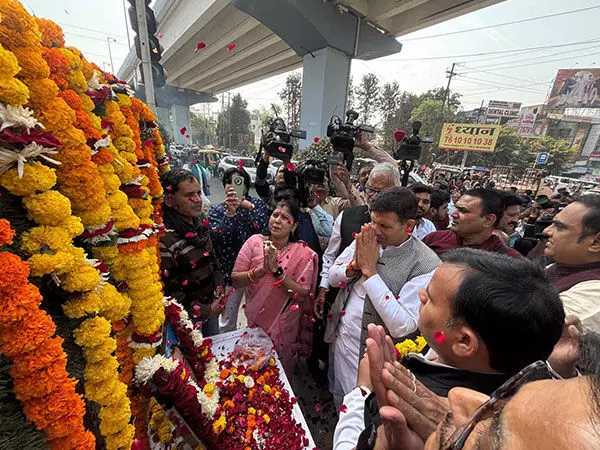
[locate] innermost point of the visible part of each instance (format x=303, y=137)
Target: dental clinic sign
x=503, y=109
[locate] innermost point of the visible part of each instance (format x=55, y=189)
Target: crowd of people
x=503, y=286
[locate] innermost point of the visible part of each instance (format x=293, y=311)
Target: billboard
x=592, y=141
x=503, y=109
x=469, y=136
x=578, y=88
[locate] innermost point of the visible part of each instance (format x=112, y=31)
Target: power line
x=496, y=74
x=493, y=84
x=548, y=61
x=91, y=37
x=572, y=11
x=486, y=66
x=492, y=53
x=92, y=30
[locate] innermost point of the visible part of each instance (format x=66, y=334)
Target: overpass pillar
x=163, y=117
x=181, y=118
x=324, y=88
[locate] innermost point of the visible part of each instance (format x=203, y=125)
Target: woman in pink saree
x=279, y=275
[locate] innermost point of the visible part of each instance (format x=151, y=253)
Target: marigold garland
x=40, y=379
x=409, y=346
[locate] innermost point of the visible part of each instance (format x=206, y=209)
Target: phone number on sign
x=468, y=140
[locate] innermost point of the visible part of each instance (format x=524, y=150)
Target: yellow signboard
x=475, y=137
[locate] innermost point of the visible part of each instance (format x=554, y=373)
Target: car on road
x=273, y=168
x=233, y=161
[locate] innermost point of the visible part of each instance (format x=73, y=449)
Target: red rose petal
x=342, y=284
x=206, y=254
x=290, y=167
x=241, y=164
x=190, y=235
x=313, y=320
x=330, y=316
x=160, y=35
x=353, y=235
x=316, y=140
x=294, y=308
x=293, y=400
x=262, y=310
x=342, y=313
x=387, y=297
x=205, y=222
x=187, y=136
x=184, y=283
x=165, y=273
x=318, y=407
x=343, y=409
x=439, y=336
x=200, y=46
x=230, y=47
x=363, y=392
x=183, y=130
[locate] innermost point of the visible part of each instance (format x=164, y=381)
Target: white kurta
x=399, y=315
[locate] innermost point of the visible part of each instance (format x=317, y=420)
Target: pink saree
x=285, y=319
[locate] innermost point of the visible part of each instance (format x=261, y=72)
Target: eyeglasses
x=372, y=191
x=539, y=370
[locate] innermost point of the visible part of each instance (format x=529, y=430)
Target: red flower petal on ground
x=387, y=297
x=343, y=409
x=183, y=130
x=230, y=47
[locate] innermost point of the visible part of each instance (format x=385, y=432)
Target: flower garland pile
x=40, y=378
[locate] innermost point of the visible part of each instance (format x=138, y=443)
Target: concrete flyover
x=276, y=36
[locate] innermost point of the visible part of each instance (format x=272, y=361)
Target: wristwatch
x=278, y=272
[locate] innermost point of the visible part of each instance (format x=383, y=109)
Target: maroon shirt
x=442, y=241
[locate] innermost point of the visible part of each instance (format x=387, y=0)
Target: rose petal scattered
x=184, y=283
x=343, y=409
x=230, y=47
x=206, y=254
x=363, y=392
x=240, y=164
x=200, y=46
x=205, y=222
x=294, y=307
x=183, y=130
x=342, y=284
x=262, y=310
x=187, y=136
x=387, y=297
x=316, y=140
x=342, y=313
x=165, y=273
x=160, y=35
x=318, y=407
x=290, y=167
x=190, y=235
x=439, y=336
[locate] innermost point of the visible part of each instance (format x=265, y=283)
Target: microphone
x=399, y=135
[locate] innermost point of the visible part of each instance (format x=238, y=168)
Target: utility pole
x=464, y=158
x=112, y=66
x=140, y=7
x=449, y=75
x=229, y=119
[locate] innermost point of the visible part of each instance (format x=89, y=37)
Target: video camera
x=343, y=135
x=277, y=140
x=309, y=173
x=409, y=147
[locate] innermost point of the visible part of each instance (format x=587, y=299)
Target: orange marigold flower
x=33, y=331
x=52, y=34
x=49, y=356
x=19, y=303
x=6, y=232
x=14, y=272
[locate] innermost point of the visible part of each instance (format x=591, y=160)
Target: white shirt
x=352, y=422
x=333, y=250
x=399, y=315
x=424, y=227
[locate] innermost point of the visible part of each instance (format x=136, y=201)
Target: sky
x=490, y=63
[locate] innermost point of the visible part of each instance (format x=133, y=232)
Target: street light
x=108, y=40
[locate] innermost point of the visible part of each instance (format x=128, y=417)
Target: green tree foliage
x=291, y=97
x=389, y=102
x=367, y=96
x=203, y=130
x=233, y=126
x=432, y=114
x=561, y=155
x=439, y=94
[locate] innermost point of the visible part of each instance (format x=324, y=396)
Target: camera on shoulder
x=277, y=141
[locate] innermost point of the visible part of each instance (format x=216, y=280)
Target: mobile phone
x=238, y=185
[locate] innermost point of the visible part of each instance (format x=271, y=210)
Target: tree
x=291, y=97
x=351, y=95
x=432, y=114
x=510, y=151
x=367, y=95
x=560, y=154
x=439, y=94
x=203, y=129
x=389, y=101
x=233, y=127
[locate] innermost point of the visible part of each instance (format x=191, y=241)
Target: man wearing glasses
x=485, y=316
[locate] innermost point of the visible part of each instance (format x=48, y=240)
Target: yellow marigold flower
x=114, y=418
x=54, y=238
x=95, y=216
x=107, y=253
x=271, y=362
x=124, y=99
x=41, y=93
x=219, y=424
x=95, y=354
x=277, y=394
x=101, y=371
x=141, y=353
x=13, y=92
x=121, y=440
x=251, y=410
x=209, y=388
x=92, y=332
x=48, y=208
x=57, y=116
x=267, y=388
x=73, y=226
x=52, y=34
x=9, y=65
x=33, y=65
x=36, y=177
x=81, y=279
x=59, y=263
x=421, y=343
x=267, y=418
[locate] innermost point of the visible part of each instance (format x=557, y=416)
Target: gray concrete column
x=181, y=118
x=163, y=117
x=324, y=87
